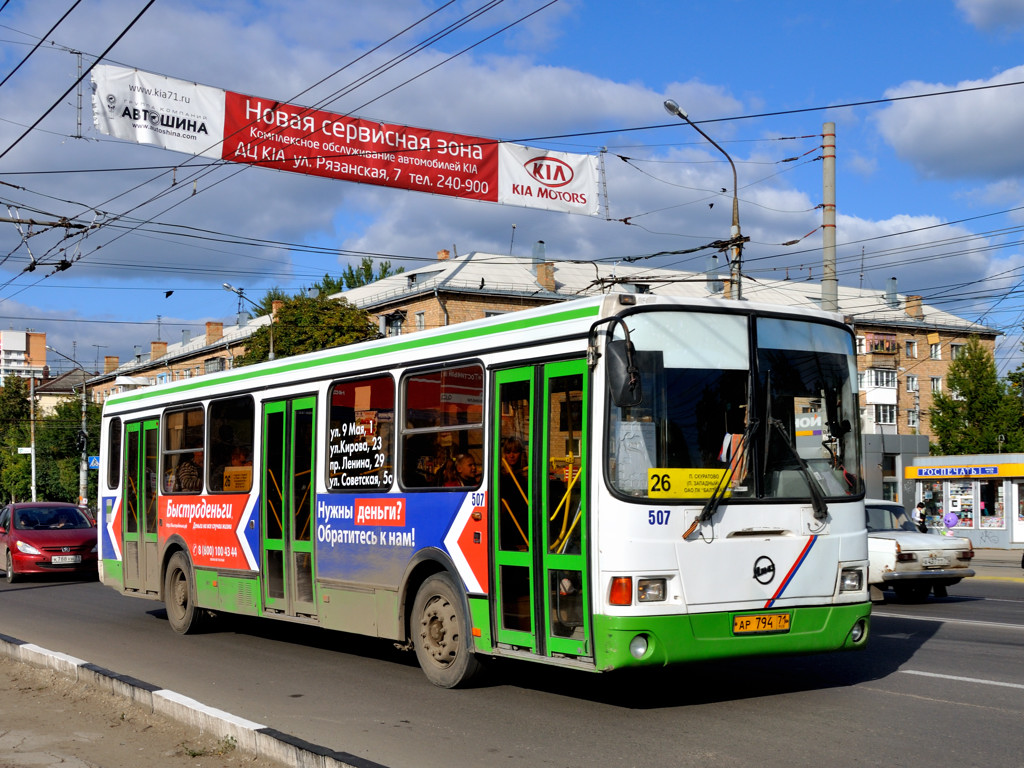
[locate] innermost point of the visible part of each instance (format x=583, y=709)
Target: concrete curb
x=251, y=738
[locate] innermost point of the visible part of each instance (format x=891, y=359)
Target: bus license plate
x=756, y=623
x=65, y=559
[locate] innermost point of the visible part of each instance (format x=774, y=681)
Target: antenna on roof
x=512, y=240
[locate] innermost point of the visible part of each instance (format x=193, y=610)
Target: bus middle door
x=287, y=507
x=539, y=509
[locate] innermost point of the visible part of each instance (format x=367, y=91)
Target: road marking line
x=963, y=679
x=948, y=621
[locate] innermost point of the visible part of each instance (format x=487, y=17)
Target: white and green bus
x=621, y=481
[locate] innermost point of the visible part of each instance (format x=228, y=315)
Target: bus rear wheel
x=440, y=634
x=184, y=616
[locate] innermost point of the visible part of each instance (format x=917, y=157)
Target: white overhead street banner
x=199, y=120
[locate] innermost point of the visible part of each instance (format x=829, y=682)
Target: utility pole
x=32, y=429
x=83, y=433
x=829, y=283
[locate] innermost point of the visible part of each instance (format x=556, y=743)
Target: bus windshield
x=720, y=418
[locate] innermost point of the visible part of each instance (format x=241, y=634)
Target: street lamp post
x=736, y=239
x=83, y=436
x=241, y=295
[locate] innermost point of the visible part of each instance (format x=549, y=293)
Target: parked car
x=909, y=562
x=47, y=537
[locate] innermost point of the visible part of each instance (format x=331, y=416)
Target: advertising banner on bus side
x=200, y=120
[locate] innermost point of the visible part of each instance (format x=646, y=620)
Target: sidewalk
x=999, y=564
x=56, y=710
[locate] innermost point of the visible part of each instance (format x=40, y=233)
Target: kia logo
x=764, y=570
x=549, y=171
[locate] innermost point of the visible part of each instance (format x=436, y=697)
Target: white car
x=909, y=562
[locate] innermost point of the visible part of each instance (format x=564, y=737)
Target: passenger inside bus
x=188, y=475
x=512, y=491
x=463, y=472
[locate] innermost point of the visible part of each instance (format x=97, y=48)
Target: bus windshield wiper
x=817, y=494
x=735, y=463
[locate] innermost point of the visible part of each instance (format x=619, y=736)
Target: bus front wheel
x=440, y=634
x=183, y=614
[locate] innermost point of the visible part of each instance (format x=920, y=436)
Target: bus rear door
x=139, y=505
x=539, y=509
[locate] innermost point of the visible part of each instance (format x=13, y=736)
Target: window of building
x=912, y=385
x=885, y=378
x=231, y=444
x=861, y=378
x=213, y=365
x=935, y=352
x=910, y=348
x=361, y=422
x=885, y=414
x=183, y=451
x=861, y=345
x=421, y=321
x=912, y=418
x=936, y=385
x=956, y=351
x=881, y=343
x=442, y=432
x=395, y=323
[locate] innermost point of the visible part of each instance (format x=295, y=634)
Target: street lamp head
x=229, y=287
x=674, y=109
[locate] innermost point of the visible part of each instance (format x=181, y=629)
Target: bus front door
x=287, y=511
x=539, y=509
x=140, y=556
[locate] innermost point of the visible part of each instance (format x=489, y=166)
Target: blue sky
x=906, y=170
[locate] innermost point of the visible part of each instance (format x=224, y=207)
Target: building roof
x=64, y=384
x=517, y=276
x=134, y=371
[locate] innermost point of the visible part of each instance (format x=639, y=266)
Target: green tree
x=364, y=274
x=305, y=324
x=15, y=468
x=58, y=452
x=976, y=407
x=329, y=285
x=266, y=305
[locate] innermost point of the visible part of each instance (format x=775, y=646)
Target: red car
x=47, y=537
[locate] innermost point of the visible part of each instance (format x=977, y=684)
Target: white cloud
x=972, y=135
x=993, y=14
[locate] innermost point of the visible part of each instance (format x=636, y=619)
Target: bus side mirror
x=623, y=375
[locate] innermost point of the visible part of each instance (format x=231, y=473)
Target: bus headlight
x=851, y=580
x=650, y=590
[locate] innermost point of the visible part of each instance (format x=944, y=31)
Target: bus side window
x=230, y=440
x=183, y=457
x=114, y=453
x=360, y=451
x=443, y=428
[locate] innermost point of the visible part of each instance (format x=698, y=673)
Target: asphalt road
x=941, y=683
